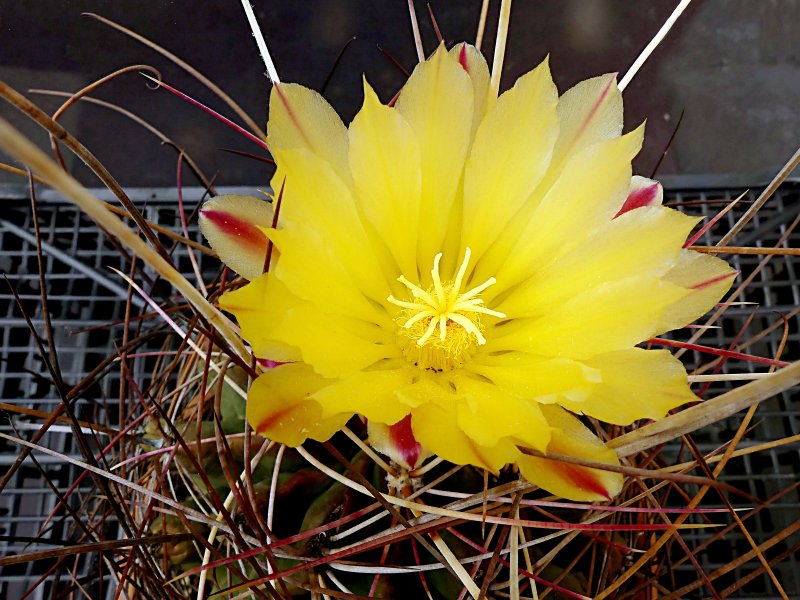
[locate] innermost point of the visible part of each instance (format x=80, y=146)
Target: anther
x=442, y=304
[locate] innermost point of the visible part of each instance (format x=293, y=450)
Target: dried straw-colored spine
x=482, y=24
x=57, y=131
x=499, y=49
x=415, y=29
x=708, y=412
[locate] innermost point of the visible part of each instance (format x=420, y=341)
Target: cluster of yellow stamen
x=443, y=306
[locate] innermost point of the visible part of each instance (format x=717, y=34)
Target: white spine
x=260, y=41
x=648, y=50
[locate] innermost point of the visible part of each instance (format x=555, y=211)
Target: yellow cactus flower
x=468, y=273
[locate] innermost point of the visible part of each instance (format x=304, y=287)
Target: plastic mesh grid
x=76, y=302
x=773, y=294
x=86, y=298
x=83, y=298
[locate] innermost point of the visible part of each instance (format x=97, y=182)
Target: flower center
x=443, y=306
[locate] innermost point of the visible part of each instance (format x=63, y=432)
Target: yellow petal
x=437, y=101
x=260, y=307
x=544, y=380
x=319, y=220
x=589, y=112
x=646, y=241
x=636, y=384
x=385, y=162
x=368, y=393
x=436, y=427
x=335, y=345
x=428, y=388
x=436, y=415
x=300, y=118
x=708, y=278
x=588, y=193
x=488, y=413
x=283, y=327
x=606, y=317
x=571, y=438
x=473, y=62
x=279, y=406
x=312, y=273
x=231, y=224
x=510, y=155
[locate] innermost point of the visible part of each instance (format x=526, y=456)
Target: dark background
x=733, y=65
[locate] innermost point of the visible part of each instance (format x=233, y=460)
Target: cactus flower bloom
x=468, y=273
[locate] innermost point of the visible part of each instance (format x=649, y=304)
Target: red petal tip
x=233, y=226
x=643, y=196
x=462, y=57
x=583, y=478
x=269, y=364
x=402, y=437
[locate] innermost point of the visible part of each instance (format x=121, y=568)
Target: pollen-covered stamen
x=445, y=308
